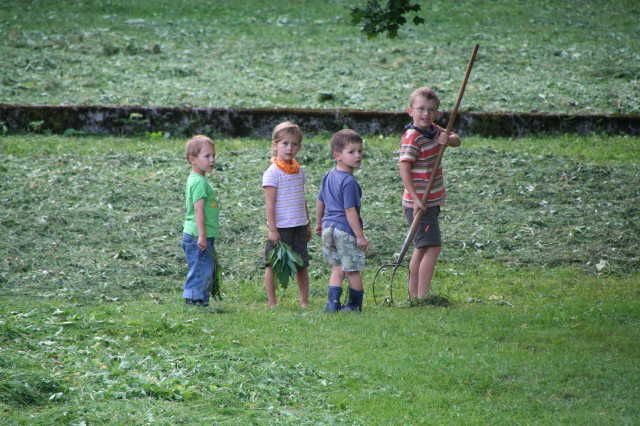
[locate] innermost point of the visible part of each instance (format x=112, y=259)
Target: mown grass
x=562, y=351
x=526, y=207
x=543, y=326
x=534, y=56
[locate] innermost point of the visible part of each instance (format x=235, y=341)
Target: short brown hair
x=427, y=92
x=341, y=139
x=284, y=128
x=194, y=145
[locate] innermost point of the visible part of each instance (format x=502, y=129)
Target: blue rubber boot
x=355, y=301
x=333, y=299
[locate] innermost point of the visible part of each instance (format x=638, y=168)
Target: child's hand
x=362, y=243
x=202, y=242
x=443, y=139
x=274, y=235
x=449, y=139
x=417, y=205
x=319, y=229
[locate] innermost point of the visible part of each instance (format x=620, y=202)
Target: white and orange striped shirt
x=421, y=148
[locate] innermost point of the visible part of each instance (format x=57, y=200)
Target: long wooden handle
x=452, y=118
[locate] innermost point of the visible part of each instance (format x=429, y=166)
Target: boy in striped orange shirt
x=419, y=149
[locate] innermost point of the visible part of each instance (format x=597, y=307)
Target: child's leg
x=427, y=268
x=414, y=271
x=423, y=261
x=355, y=280
x=331, y=255
x=353, y=261
x=334, y=291
x=337, y=276
x=356, y=292
x=302, y=277
x=270, y=287
x=198, y=283
x=296, y=238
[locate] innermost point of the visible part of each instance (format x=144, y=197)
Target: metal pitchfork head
x=394, y=283
x=388, y=300
x=384, y=294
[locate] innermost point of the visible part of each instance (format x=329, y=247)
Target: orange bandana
x=290, y=168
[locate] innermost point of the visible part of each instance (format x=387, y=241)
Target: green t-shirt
x=197, y=188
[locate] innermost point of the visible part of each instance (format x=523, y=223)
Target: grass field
x=534, y=56
x=541, y=264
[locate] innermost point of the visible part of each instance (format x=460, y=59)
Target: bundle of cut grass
x=285, y=263
x=216, y=292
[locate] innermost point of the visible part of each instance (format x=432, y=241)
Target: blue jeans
x=201, y=265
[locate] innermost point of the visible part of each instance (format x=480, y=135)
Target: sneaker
x=188, y=301
x=200, y=302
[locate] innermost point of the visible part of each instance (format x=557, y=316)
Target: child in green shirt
x=201, y=221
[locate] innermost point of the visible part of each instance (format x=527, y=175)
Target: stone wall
x=129, y=120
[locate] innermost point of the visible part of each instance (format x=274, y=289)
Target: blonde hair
x=194, y=145
x=344, y=137
x=286, y=128
x=426, y=92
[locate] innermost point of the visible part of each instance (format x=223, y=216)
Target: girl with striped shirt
x=285, y=206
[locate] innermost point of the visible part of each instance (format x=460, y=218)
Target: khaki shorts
x=339, y=249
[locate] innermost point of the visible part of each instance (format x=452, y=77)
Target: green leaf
x=283, y=278
x=285, y=262
x=376, y=18
x=216, y=287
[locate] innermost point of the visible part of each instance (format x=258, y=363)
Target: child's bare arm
x=306, y=209
x=270, y=208
x=202, y=231
x=354, y=222
x=405, y=175
x=319, y=216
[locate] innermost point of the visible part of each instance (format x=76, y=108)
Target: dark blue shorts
x=296, y=237
x=428, y=232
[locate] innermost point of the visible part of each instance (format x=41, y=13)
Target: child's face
x=350, y=158
x=287, y=148
x=423, y=111
x=205, y=160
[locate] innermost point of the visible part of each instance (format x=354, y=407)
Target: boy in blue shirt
x=339, y=222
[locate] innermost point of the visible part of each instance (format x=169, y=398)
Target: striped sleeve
x=409, y=149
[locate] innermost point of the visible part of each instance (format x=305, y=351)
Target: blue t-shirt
x=339, y=191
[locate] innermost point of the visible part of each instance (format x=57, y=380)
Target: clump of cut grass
x=23, y=385
x=430, y=300
x=285, y=263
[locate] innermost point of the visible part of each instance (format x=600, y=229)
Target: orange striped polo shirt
x=420, y=147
